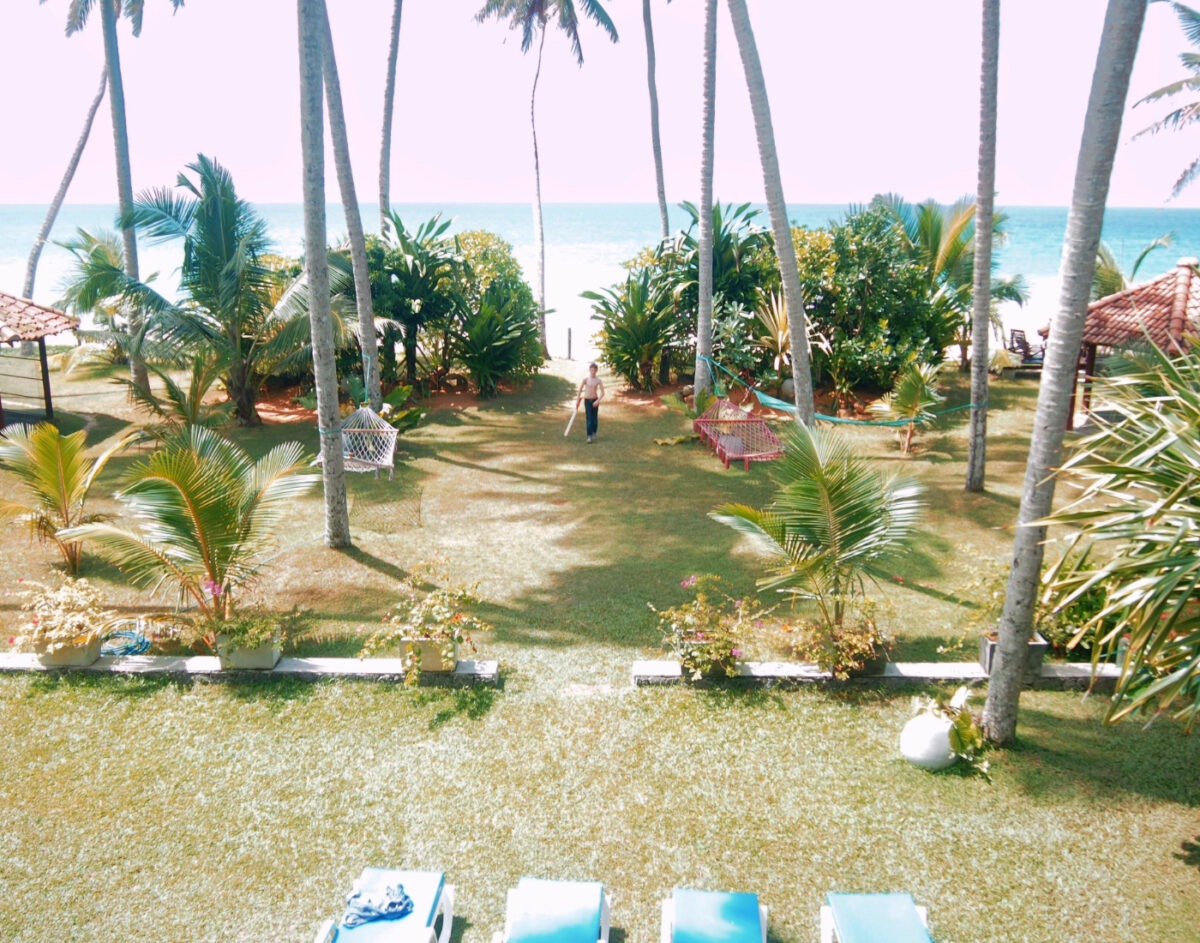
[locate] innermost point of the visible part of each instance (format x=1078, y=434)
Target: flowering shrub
x=248, y=627
x=437, y=615
x=69, y=615
x=842, y=649
x=709, y=635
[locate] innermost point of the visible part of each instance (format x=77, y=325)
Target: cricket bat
x=571, y=421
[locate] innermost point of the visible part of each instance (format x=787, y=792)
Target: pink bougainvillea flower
x=737, y=653
x=688, y=583
x=212, y=587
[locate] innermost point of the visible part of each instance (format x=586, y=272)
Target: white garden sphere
x=925, y=742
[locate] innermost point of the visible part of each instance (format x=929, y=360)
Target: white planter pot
x=925, y=742
x=262, y=657
x=76, y=655
x=430, y=654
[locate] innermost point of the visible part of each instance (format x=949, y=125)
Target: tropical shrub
x=637, y=321
x=911, y=401
x=868, y=299
x=499, y=339
x=772, y=333
x=208, y=514
x=709, y=634
x=843, y=649
x=1139, y=502
x=60, y=617
x=179, y=408
x=56, y=476
x=835, y=522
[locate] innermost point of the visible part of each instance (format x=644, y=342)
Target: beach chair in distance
x=540, y=911
x=1018, y=344
x=870, y=918
x=432, y=899
x=713, y=917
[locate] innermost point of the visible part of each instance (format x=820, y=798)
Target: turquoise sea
x=586, y=243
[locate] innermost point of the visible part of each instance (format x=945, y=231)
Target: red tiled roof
x=21, y=319
x=1165, y=308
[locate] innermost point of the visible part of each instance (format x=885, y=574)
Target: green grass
x=158, y=810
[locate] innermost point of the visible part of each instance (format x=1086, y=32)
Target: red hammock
x=735, y=434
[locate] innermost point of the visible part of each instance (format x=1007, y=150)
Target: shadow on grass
x=1079, y=754
x=372, y=562
x=268, y=689
x=460, y=927
x=472, y=703
x=119, y=685
x=1189, y=852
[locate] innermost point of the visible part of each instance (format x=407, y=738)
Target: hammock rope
x=772, y=402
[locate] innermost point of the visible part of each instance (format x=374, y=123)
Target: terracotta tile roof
x=22, y=320
x=1166, y=308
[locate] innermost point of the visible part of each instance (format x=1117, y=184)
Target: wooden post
x=45, y=379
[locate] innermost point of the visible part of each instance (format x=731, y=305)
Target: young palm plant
x=208, y=514
x=834, y=523
x=1139, y=474
x=56, y=475
x=912, y=399
x=638, y=319
x=179, y=407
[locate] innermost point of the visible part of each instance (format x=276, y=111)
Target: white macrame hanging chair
x=368, y=442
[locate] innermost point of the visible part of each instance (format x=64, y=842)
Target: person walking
x=591, y=391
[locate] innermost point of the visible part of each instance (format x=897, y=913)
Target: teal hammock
x=772, y=402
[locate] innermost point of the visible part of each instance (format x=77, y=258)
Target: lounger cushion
x=868, y=918
x=556, y=912
x=425, y=889
x=716, y=917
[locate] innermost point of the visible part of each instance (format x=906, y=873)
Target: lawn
x=243, y=812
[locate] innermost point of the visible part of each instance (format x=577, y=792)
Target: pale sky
x=868, y=96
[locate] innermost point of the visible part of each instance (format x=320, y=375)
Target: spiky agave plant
x=56, y=475
x=208, y=513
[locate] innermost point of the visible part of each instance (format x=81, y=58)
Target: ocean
x=587, y=242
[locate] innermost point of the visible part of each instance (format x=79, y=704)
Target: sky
x=868, y=96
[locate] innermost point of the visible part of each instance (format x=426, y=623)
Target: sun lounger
x=713, y=917
x=431, y=896
x=555, y=912
x=869, y=918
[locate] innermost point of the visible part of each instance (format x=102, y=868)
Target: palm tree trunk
x=316, y=263
x=539, y=233
x=35, y=253
x=704, y=303
x=984, y=215
x=1101, y=134
x=655, y=139
x=785, y=248
x=389, y=103
x=367, y=340
x=116, y=100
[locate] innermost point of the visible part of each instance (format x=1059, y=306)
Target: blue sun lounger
x=713, y=917
x=869, y=918
x=431, y=896
x=556, y=912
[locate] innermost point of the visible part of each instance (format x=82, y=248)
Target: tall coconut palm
x=655, y=137
x=1186, y=114
x=704, y=302
x=532, y=17
x=310, y=15
x=985, y=194
x=777, y=208
x=368, y=343
x=389, y=104
x=1101, y=133
x=60, y=195
x=78, y=12
x=1110, y=279
x=208, y=514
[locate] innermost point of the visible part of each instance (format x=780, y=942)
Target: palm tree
x=208, y=513
x=56, y=475
x=704, y=303
x=389, y=102
x=1188, y=113
x=1101, y=133
x=785, y=248
x=358, y=248
x=655, y=138
x=985, y=198
x=78, y=12
x=61, y=194
x=834, y=523
x=181, y=408
x=310, y=14
x=1109, y=279
x=532, y=17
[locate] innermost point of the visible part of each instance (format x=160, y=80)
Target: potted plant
x=989, y=641
x=250, y=639
x=708, y=634
x=855, y=648
x=429, y=628
x=66, y=625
